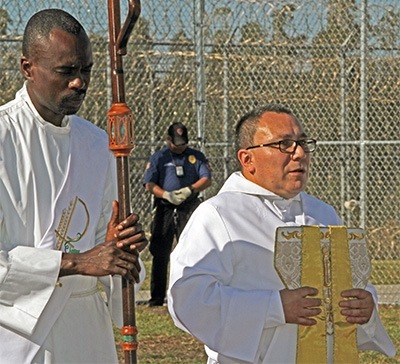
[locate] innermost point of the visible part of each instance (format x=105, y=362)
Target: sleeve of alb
x=28, y=278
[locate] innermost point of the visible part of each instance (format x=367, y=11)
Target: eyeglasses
x=289, y=146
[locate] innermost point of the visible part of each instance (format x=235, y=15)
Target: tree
x=9, y=62
x=252, y=32
x=387, y=30
x=5, y=20
x=341, y=25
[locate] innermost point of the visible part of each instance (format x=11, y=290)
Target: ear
x=246, y=159
x=26, y=67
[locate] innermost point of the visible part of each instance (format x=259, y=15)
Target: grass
x=160, y=342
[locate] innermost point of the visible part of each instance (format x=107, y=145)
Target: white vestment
x=224, y=289
x=57, y=185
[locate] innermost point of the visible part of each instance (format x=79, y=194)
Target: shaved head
x=42, y=23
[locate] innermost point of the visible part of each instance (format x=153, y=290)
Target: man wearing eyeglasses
x=224, y=289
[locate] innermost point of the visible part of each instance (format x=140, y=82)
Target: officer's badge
x=192, y=159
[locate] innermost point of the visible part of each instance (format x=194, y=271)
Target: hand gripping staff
x=120, y=131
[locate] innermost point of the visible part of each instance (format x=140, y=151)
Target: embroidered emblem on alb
x=73, y=226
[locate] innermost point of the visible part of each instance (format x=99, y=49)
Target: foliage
x=383, y=242
x=5, y=20
x=341, y=24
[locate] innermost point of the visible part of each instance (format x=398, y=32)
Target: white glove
x=182, y=194
x=171, y=197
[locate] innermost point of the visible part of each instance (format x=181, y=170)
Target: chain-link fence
x=206, y=62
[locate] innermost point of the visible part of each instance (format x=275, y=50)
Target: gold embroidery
x=295, y=234
x=64, y=241
x=354, y=236
x=331, y=259
x=327, y=289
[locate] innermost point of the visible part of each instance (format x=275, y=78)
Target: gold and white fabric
x=331, y=259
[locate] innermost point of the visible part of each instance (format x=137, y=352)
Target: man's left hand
x=358, y=306
x=128, y=233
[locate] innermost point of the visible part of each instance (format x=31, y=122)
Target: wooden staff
x=121, y=131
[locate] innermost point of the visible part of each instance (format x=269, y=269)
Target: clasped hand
x=300, y=309
x=176, y=197
x=118, y=255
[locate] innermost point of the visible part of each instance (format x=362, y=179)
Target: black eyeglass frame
x=304, y=143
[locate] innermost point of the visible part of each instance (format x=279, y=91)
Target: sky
x=168, y=16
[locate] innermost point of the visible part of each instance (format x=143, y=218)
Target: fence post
x=363, y=108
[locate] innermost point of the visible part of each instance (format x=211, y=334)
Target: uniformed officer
x=174, y=175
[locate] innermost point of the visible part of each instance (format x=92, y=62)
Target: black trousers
x=168, y=222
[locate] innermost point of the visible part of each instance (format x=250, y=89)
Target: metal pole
x=226, y=90
x=226, y=109
x=343, y=148
x=200, y=69
x=363, y=109
x=344, y=183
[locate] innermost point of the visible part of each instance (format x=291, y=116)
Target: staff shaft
x=120, y=130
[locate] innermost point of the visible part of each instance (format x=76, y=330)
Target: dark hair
x=247, y=125
x=43, y=22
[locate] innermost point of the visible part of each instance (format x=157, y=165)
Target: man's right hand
x=104, y=259
x=299, y=308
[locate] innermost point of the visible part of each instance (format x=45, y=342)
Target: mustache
x=77, y=95
x=79, y=92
